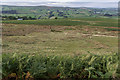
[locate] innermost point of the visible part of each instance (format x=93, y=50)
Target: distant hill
x=41, y=12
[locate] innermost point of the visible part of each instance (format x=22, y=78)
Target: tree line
x=18, y=18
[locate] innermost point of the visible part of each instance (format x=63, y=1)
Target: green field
x=42, y=12
x=62, y=48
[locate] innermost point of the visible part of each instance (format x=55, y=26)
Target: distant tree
x=24, y=18
x=51, y=15
x=39, y=17
x=9, y=12
x=61, y=14
x=33, y=19
x=29, y=17
x=11, y=18
x=57, y=10
x=107, y=15
x=65, y=16
x=19, y=17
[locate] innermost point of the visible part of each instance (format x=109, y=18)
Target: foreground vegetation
x=24, y=66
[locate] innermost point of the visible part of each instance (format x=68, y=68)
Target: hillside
x=41, y=12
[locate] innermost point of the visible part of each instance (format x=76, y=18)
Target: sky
x=64, y=3
x=60, y=1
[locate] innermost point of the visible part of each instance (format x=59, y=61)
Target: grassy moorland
x=62, y=48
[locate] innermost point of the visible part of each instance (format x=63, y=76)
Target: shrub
x=56, y=67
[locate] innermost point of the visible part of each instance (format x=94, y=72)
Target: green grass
x=62, y=43
x=110, y=29
x=103, y=22
x=97, y=19
x=106, y=24
x=59, y=22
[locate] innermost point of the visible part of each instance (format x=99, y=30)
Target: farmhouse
x=53, y=17
x=19, y=19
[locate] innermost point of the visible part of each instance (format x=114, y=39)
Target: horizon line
x=51, y=6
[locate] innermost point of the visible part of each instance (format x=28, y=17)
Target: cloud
x=63, y=3
x=24, y=0
x=60, y=1
x=63, y=0
x=66, y=4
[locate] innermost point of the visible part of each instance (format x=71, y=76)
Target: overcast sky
x=60, y=1
x=64, y=3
